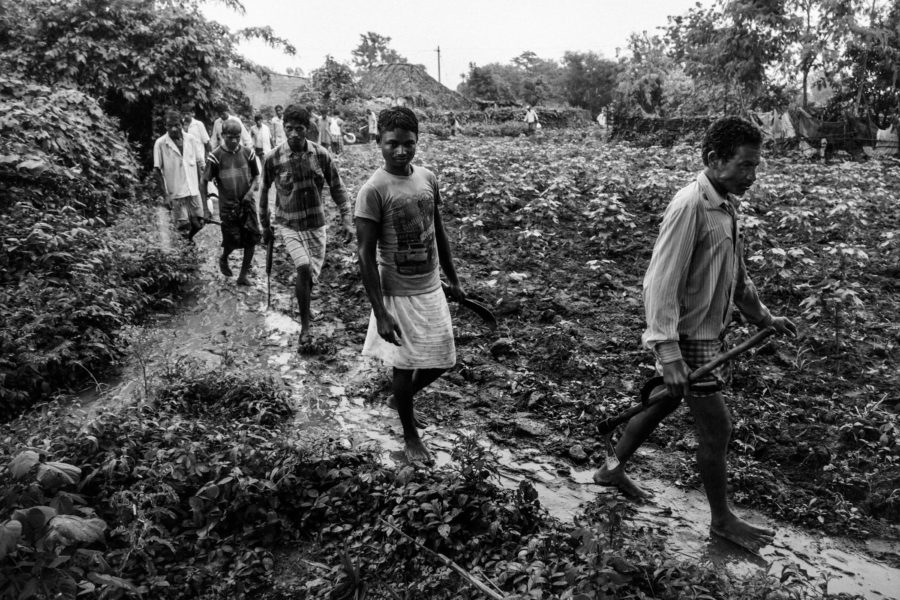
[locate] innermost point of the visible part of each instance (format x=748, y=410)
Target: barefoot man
x=402, y=245
x=299, y=169
x=695, y=274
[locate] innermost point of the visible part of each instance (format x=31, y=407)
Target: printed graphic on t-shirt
x=414, y=224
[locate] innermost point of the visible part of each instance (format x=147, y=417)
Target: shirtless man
x=695, y=274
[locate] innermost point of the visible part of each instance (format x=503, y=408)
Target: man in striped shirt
x=299, y=169
x=695, y=274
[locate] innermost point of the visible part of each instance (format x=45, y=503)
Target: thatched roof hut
x=410, y=85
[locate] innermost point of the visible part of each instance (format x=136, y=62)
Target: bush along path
x=81, y=256
x=225, y=465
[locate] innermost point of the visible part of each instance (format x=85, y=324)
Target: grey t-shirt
x=404, y=208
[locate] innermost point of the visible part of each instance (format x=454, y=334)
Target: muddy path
x=341, y=395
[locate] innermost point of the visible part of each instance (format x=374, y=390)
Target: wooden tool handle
x=709, y=367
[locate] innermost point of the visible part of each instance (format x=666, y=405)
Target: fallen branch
x=449, y=563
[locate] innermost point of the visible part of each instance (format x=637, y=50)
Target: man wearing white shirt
x=216, y=139
x=178, y=166
x=262, y=138
x=278, y=127
x=196, y=128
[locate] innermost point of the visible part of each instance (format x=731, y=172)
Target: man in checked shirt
x=695, y=274
x=298, y=169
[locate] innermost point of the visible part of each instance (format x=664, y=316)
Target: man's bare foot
x=618, y=479
x=417, y=422
x=416, y=451
x=744, y=534
x=306, y=344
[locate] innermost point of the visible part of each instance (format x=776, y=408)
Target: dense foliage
x=134, y=57
x=79, y=257
x=191, y=493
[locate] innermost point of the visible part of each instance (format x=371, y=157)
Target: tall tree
x=730, y=44
x=589, y=80
x=816, y=33
x=374, y=49
x=133, y=55
x=334, y=82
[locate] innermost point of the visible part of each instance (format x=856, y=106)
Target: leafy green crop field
x=204, y=491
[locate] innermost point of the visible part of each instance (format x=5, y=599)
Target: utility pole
x=438, y=50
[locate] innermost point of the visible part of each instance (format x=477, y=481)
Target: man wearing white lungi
x=402, y=247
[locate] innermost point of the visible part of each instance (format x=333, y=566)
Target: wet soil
x=341, y=395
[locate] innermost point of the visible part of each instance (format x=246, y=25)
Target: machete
x=476, y=307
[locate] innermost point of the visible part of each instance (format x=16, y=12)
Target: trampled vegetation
x=202, y=491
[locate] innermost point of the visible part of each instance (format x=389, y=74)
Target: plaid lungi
x=697, y=353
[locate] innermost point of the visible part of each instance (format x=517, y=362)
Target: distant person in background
x=371, y=125
x=178, y=167
x=196, y=128
x=235, y=172
x=601, y=122
x=531, y=119
x=324, y=130
x=215, y=139
x=262, y=137
x=312, y=133
x=453, y=124
x=335, y=128
x=277, y=127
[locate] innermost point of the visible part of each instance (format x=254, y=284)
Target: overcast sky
x=479, y=31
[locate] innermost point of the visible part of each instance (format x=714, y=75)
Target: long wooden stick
x=449, y=563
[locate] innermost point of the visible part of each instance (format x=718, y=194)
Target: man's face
x=398, y=147
x=279, y=111
x=232, y=140
x=296, y=135
x=223, y=114
x=173, y=127
x=186, y=122
x=737, y=173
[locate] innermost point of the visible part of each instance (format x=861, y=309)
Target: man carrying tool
x=402, y=247
x=234, y=170
x=697, y=270
x=299, y=169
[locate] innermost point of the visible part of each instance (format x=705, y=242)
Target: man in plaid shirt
x=298, y=169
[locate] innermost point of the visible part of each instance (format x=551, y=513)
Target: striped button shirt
x=298, y=178
x=697, y=270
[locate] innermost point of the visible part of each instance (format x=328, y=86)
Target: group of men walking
x=695, y=276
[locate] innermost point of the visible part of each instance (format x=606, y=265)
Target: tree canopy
x=132, y=55
x=374, y=49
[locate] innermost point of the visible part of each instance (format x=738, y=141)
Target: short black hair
x=221, y=106
x=398, y=117
x=726, y=135
x=296, y=113
x=173, y=114
x=279, y=106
